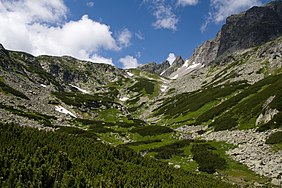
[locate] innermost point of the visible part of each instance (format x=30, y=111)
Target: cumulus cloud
x=99, y=59
x=164, y=16
x=186, y=2
x=221, y=9
x=171, y=57
x=128, y=62
x=40, y=27
x=124, y=37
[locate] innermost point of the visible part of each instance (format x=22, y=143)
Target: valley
x=214, y=120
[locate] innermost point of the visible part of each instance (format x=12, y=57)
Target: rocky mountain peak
x=153, y=67
x=251, y=28
x=178, y=62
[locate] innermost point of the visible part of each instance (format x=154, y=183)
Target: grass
x=185, y=103
x=275, y=138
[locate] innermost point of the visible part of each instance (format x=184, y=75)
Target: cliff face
x=206, y=52
x=177, y=63
x=251, y=28
x=155, y=68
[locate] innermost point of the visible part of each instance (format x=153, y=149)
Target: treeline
x=33, y=158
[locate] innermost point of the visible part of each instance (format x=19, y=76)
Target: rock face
x=155, y=68
x=206, y=52
x=251, y=28
x=177, y=63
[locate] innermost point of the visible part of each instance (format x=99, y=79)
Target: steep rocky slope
x=254, y=27
x=229, y=90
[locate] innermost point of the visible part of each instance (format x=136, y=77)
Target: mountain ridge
x=218, y=113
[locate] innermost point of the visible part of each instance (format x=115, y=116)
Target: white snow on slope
x=130, y=74
x=79, y=89
x=42, y=85
x=194, y=65
x=176, y=76
x=163, y=88
x=64, y=111
x=123, y=99
x=186, y=63
x=162, y=72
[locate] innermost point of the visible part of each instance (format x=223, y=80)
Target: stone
x=276, y=182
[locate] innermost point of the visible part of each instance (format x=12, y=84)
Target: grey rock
x=251, y=28
x=155, y=68
x=177, y=63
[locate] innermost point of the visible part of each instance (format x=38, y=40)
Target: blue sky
x=124, y=33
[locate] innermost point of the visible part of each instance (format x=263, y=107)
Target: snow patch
x=176, y=76
x=42, y=85
x=163, y=88
x=194, y=65
x=186, y=63
x=64, y=111
x=79, y=89
x=162, y=72
x=130, y=74
x=123, y=99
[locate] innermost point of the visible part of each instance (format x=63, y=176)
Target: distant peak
x=178, y=62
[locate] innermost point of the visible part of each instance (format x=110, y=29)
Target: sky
x=124, y=33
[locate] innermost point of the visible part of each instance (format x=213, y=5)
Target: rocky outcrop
x=154, y=67
x=252, y=151
x=251, y=28
x=177, y=63
x=206, y=52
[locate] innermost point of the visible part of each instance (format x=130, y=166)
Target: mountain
x=211, y=121
x=254, y=27
x=154, y=67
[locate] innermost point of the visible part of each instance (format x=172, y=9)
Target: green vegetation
x=143, y=84
x=79, y=99
x=138, y=143
x=235, y=105
x=184, y=105
x=167, y=151
x=208, y=161
x=275, y=138
x=9, y=90
x=33, y=158
x=151, y=130
x=41, y=118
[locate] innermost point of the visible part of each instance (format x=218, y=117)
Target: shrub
x=151, y=130
x=208, y=161
x=275, y=138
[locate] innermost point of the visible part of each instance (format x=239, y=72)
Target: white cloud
x=165, y=18
x=99, y=59
x=124, y=38
x=221, y=9
x=39, y=27
x=187, y=2
x=90, y=4
x=128, y=62
x=171, y=57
